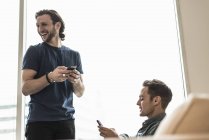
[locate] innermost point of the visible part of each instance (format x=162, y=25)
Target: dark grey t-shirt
x=54, y=102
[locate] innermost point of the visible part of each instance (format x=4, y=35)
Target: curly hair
x=55, y=18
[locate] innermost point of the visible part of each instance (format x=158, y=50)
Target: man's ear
x=157, y=100
x=58, y=25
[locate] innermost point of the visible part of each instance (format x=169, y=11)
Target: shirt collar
x=154, y=119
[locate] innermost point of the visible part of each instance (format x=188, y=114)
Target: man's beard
x=51, y=35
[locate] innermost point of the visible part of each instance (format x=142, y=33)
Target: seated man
x=153, y=100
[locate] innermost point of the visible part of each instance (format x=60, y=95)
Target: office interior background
x=121, y=42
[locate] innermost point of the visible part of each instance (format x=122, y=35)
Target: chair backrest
x=192, y=117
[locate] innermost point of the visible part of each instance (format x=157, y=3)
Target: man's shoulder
x=70, y=50
x=36, y=46
x=153, y=127
x=156, y=122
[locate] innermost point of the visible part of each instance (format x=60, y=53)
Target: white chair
x=192, y=117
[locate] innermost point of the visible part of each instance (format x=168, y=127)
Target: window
x=122, y=43
x=9, y=65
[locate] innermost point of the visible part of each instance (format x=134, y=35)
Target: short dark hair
x=159, y=88
x=55, y=18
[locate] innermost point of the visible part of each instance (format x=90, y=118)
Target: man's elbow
x=24, y=92
x=80, y=93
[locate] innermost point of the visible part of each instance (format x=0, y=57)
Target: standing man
x=49, y=81
x=153, y=101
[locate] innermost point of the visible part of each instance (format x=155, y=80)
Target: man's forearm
x=34, y=85
x=78, y=88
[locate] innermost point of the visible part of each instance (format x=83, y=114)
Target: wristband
x=47, y=78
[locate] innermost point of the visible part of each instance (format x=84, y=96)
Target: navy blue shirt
x=54, y=102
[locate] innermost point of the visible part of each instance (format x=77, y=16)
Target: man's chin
x=44, y=38
x=142, y=114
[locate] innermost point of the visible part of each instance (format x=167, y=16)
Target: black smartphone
x=99, y=123
x=72, y=68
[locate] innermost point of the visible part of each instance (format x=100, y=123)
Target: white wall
x=193, y=17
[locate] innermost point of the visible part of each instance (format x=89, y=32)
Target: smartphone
x=72, y=68
x=99, y=123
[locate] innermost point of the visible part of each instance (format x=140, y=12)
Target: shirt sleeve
x=31, y=59
x=79, y=64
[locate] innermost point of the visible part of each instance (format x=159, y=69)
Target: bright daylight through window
x=122, y=43
x=9, y=66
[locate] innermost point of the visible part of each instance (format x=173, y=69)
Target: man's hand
x=74, y=76
x=58, y=74
x=107, y=132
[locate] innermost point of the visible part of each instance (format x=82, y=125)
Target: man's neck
x=156, y=113
x=55, y=43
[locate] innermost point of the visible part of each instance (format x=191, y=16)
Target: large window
x=9, y=65
x=121, y=42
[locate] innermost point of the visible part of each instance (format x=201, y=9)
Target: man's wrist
x=49, y=80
